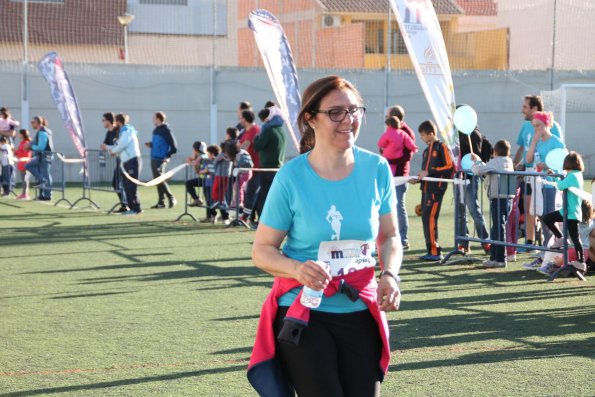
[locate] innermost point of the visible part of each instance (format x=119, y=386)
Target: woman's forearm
x=272, y=261
x=390, y=253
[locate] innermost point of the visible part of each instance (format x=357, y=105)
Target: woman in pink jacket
x=397, y=146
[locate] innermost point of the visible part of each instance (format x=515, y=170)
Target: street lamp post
x=125, y=20
x=25, y=77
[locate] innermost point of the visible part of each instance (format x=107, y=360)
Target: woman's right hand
x=313, y=274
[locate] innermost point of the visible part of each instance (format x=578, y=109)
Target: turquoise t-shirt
x=573, y=179
x=526, y=134
x=312, y=210
x=543, y=148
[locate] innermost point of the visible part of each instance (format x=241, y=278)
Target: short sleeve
x=277, y=212
x=386, y=186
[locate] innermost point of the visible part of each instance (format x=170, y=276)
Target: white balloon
x=465, y=119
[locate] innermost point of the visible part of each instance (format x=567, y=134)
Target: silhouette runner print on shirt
x=334, y=217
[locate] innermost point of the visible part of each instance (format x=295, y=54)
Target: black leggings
x=338, y=355
x=550, y=221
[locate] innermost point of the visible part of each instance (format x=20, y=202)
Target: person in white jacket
x=128, y=150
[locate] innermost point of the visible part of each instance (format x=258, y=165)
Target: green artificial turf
x=98, y=305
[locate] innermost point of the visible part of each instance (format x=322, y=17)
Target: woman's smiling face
x=340, y=135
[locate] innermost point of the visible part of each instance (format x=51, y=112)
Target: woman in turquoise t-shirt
x=334, y=204
x=573, y=164
x=543, y=142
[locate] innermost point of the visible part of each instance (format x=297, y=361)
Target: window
x=373, y=36
x=397, y=44
x=181, y=17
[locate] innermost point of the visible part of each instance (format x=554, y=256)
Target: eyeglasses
x=338, y=115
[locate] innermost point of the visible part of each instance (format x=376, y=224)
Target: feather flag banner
x=52, y=69
x=278, y=62
x=422, y=35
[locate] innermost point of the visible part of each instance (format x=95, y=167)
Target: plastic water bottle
x=537, y=161
x=311, y=298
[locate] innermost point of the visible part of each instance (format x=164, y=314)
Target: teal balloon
x=465, y=119
x=466, y=162
x=555, y=159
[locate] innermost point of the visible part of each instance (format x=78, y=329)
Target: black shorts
x=337, y=355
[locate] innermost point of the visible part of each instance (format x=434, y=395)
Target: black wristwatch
x=391, y=274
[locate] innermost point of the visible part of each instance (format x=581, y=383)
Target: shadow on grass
x=235, y=318
x=537, y=351
x=247, y=349
x=202, y=272
x=125, y=382
x=93, y=295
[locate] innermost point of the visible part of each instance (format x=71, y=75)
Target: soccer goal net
x=570, y=101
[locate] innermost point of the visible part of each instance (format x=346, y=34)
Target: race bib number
x=346, y=256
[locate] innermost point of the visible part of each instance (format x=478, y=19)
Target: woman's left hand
x=388, y=294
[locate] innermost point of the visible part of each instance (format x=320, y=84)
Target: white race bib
x=346, y=256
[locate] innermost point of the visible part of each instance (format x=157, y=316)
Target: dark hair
x=231, y=149
x=427, y=127
x=109, y=116
x=587, y=209
x=269, y=104
x=232, y=132
x=41, y=120
x=263, y=114
x=248, y=115
x=214, y=150
x=397, y=111
x=311, y=99
x=245, y=105
x=534, y=101
x=502, y=148
x=122, y=118
x=197, y=144
x=393, y=121
x=25, y=134
x=161, y=116
x=573, y=162
x=3, y=138
x=4, y=111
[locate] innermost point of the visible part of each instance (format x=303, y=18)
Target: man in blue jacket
x=163, y=146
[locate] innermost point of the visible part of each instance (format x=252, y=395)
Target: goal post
x=576, y=98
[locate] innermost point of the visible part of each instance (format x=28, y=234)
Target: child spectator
x=241, y=159
x=23, y=154
x=437, y=163
x=397, y=146
x=207, y=172
x=586, y=230
x=573, y=165
x=7, y=160
x=197, y=162
x=501, y=190
x=220, y=191
x=7, y=125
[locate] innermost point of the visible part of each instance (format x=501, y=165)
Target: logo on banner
x=413, y=17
